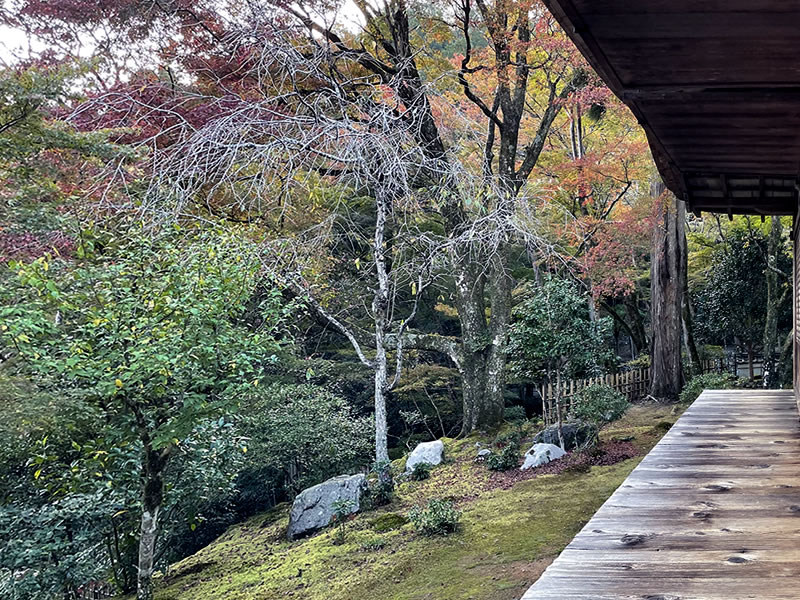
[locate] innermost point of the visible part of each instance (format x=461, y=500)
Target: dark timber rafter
x=724, y=139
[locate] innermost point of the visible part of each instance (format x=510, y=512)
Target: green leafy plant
x=342, y=509
x=514, y=414
x=380, y=486
x=505, y=460
x=421, y=471
x=709, y=381
x=437, y=517
x=600, y=404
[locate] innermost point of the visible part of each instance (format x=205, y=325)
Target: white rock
x=426, y=452
x=541, y=454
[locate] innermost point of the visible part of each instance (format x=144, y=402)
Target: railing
x=634, y=384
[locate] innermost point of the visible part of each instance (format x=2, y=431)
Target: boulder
x=484, y=454
x=313, y=508
x=426, y=452
x=541, y=454
x=577, y=434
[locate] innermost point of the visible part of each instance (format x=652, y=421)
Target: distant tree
x=553, y=336
x=152, y=334
x=303, y=432
x=733, y=304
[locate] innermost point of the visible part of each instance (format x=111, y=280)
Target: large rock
x=541, y=454
x=426, y=452
x=577, y=434
x=313, y=508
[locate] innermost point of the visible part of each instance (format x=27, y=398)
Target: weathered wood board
x=711, y=513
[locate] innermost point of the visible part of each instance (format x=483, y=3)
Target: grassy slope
x=508, y=536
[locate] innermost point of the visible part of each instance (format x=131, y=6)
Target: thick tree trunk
x=667, y=296
x=152, y=499
x=484, y=340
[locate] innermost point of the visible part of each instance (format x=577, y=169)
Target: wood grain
x=711, y=513
x=697, y=74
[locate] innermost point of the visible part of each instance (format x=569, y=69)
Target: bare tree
x=354, y=112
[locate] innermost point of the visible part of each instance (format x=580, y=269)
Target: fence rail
x=634, y=384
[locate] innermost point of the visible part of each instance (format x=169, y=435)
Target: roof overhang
x=716, y=86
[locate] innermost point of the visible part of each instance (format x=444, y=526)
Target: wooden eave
x=716, y=86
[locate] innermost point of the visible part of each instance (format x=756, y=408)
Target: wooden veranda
x=711, y=513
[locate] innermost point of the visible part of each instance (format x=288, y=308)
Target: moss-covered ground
x=508, y=535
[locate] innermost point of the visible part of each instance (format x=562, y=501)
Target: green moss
x=388, y=522
x=506, y=537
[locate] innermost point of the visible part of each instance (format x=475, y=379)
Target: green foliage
x=504, y=460
x=553, y=333
x=421, y=472
x=301, y=434
x=152, y=331
x=388, y=522
x=149, y=337
x=43, y=549
x=380, y=486
x=600, y=404
x=342, y=509
x=640, y=362
x=437, y=517
x=733, y=302
x=708, y=381
x=514, y=414
x=505, y=455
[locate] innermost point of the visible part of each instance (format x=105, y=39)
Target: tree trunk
x=667, y=296
x=380, y=309
x=770, y=365
x=152, y=499
x=750, y=370
x=559, y=418
x=635, y=322
x=695, y=366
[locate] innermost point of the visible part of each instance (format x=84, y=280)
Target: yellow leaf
x=118, y=383
x=36, y=475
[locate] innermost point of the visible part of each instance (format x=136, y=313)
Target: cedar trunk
x=667, y=296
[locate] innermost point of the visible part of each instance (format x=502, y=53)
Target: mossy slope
x=507, y=537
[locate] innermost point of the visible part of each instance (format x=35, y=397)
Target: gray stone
x=483, y=454
x=541, y=454
x=426, y=452
x=313, y=508
x=577, y=434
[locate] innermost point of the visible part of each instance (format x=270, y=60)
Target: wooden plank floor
x=711, y=513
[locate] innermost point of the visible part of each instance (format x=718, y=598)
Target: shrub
x=342, y=509
x=506, y=454
x=438, y=517
x=388, y=522
x=505, y=460
x=514, y=414
x=709, y=381
x=380, y=489
x=421, y=471
x=600, y=404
